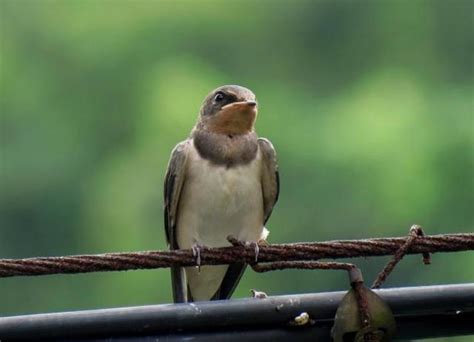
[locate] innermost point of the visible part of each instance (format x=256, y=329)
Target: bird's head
x=230, y=109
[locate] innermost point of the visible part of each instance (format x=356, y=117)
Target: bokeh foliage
x=369, y=104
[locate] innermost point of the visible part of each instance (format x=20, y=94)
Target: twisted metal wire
x=227, y=255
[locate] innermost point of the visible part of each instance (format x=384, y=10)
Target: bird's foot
x=235, y=242
x=196, y=248
x=256, y=249
x=258, y=294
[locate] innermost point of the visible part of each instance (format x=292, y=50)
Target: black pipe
x=420, y=312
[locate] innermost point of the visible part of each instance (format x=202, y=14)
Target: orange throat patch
x=235, y=118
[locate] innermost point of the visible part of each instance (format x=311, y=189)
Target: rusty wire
x=227, y=255
x=355, y=278
x=262, y=259
x=415, y=232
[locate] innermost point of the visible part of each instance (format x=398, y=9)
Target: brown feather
x=220, y=149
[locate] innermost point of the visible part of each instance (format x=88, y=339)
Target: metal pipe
x=421, y=312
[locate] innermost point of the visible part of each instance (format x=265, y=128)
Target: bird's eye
x=219, y=97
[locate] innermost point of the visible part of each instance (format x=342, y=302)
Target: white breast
x=216, y=202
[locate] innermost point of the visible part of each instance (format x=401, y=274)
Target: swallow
x=222, y=181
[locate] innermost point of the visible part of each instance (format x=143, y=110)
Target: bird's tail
x=178, y=284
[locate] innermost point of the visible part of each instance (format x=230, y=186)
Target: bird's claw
x=256, y=249
x=196, y=248
x=255, y=245
x=233, y=240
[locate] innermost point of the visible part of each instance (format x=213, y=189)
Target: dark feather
x=221, y=149
x=174, y=180
x=230, y=281
x=270, y=177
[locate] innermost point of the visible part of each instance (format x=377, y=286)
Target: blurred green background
x=368, y=103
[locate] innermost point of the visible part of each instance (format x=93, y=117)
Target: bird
x=221, y=182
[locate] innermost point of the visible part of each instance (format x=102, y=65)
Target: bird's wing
x=270, y=177
x=270, y=188
x=174, y=180
x=229, y=283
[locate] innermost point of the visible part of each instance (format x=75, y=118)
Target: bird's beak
x=242, y=106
